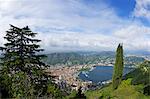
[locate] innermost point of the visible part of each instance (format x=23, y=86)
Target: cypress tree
x=22, y=69
x=118, y=68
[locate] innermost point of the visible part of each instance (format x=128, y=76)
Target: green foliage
x=22, y=70
x=141, y=74
x=54, y=91
x=145, y=67
x=118, y=68
x=90, y=94
x=21, y=86
x=124, y=91
x=128, y=91
x=72, y=95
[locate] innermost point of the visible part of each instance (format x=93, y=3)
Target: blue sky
x=81, y=25
x=124, y=8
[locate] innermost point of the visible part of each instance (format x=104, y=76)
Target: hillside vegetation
x=136, y=85
x=80, y=58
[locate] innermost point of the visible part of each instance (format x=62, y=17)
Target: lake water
x=100, y=73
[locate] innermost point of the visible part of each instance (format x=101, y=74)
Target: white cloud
x=134, y=37
x=142, y=9
x=72, y=25
x=78, y=41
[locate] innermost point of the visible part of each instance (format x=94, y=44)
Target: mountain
x=80, y=58
x=139, y=53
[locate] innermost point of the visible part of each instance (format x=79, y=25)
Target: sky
x=81, y=25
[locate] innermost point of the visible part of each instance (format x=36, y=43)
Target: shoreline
x=70, y=74
x=86, y=72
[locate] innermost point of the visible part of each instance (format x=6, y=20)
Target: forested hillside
x=79, y=58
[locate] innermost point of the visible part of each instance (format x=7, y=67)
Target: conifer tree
x=118, y=68
x=22, y=69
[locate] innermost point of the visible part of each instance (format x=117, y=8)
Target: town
x=67, y=76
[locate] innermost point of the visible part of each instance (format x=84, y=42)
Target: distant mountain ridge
x=139, y=53
x=79, y=58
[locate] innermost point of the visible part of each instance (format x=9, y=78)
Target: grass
x=93, y=94
x=71, y=96
x=124, y=91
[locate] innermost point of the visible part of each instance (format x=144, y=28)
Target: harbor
x=76, y=76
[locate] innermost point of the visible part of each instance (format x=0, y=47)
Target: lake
x=100, y=73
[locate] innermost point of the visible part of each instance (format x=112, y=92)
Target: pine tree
x=22, y=68
x=118, y=68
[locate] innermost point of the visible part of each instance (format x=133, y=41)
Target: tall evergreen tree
x=118, y=68
x=22, y=69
